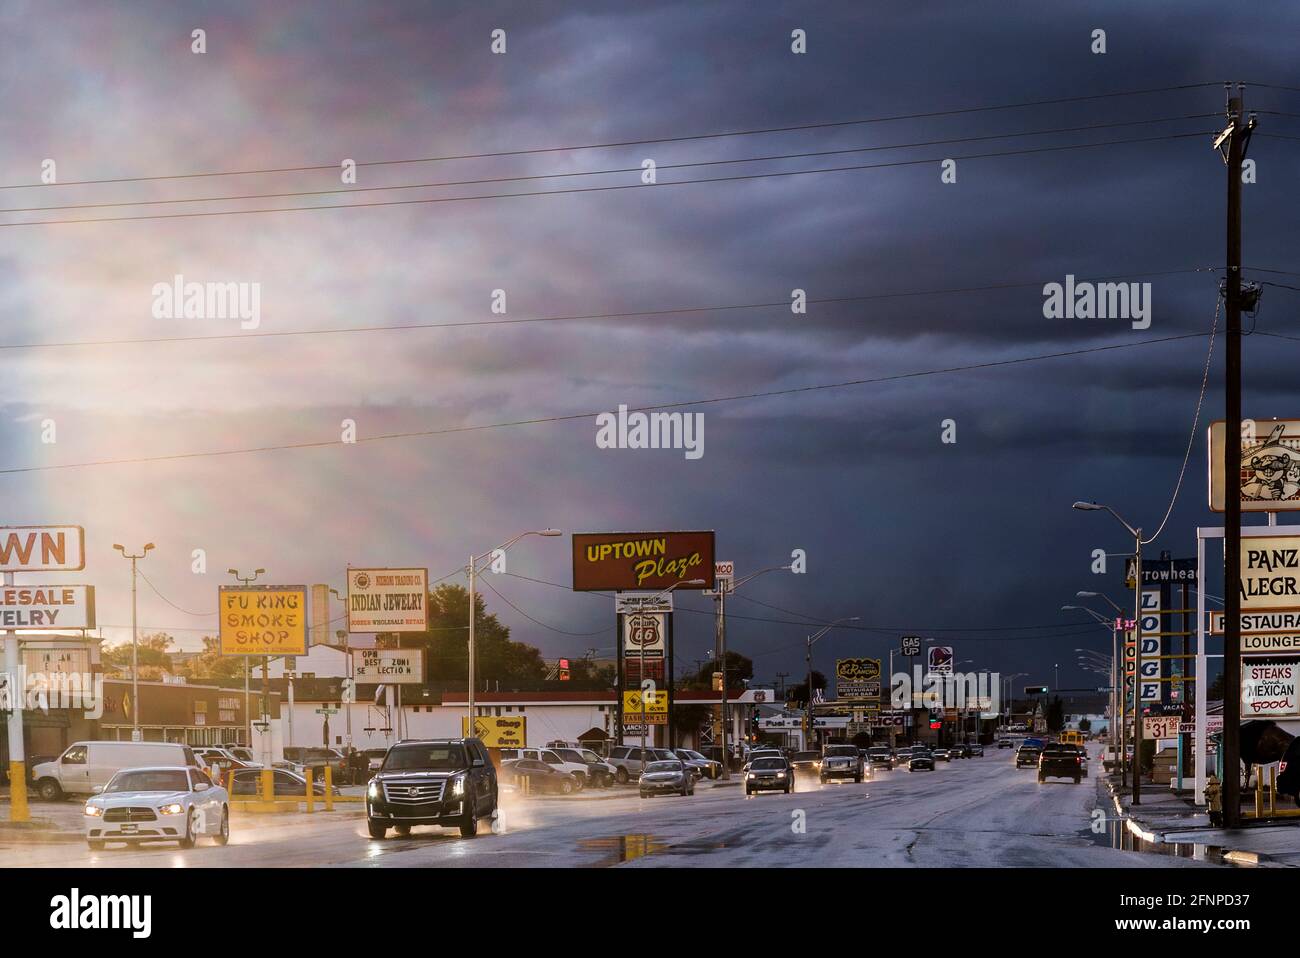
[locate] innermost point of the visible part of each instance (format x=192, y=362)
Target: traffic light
x=1035, y=689
x=936, y=720
x=564, y=670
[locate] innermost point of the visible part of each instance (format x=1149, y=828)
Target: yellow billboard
x=498, y=731
x=651, y=709
x=263, y=620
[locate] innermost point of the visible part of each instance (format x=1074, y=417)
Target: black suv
x=443, y=781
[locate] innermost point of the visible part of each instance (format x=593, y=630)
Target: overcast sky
x=972, y=541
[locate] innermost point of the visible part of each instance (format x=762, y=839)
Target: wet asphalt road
x=974, y=812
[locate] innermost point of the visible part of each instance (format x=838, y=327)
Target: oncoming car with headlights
x=162, y=804
x=448, y=781
x=769, y=774
x=666, y=778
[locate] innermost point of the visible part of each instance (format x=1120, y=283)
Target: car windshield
x=153, y=780
x=664, y=767
x=842, y=750
x=426, y=758
x=920, y=753
x=769, y=763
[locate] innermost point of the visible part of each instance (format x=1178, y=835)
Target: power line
x=673, y=311
x=637, y=142
x=600, y=189
x=626, y=169
x=550, y=628
x=169, y=601
x=450, y=430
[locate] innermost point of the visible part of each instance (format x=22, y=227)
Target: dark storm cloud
x=900, y=528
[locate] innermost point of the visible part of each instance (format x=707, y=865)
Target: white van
x=86, y=767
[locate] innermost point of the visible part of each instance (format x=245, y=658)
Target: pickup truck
x=1060, y=761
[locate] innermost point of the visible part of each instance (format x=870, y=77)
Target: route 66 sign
x=643, y=635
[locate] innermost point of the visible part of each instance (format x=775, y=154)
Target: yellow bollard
x=329, y=789
x=311, y=798
x=1272, y=790
x=268, y=785
x=18, y=811
x=1259, y=791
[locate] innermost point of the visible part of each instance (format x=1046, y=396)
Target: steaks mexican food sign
x=647, y=561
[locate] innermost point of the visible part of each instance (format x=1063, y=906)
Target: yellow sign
x=265, y=620
x=498, y=731
x=654, y=703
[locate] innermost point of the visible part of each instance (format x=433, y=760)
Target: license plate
x=129, y=828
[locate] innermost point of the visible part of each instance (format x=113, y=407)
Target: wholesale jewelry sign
x=388, y=600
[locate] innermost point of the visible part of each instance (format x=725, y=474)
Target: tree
x=445, y=643
x=151, y=653
x=739, y=669
x=1085, y=725
x=211, y=664
x=799, y=693
x=592, y=674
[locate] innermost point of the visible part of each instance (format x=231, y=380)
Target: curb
x=37, y=833
x=1145, y=831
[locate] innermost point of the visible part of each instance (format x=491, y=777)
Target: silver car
x=666, y=778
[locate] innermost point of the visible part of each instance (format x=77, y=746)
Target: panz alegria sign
x=641, y=561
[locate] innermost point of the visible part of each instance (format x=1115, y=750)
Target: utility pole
x=1236, y=135
x=16, y=688
x=135, y=643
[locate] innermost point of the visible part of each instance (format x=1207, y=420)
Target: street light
x=694, y=584
x=473, y=570
x=1137, y=640
x=248, y=695
x=808, y=659
x=1116, y=691
x=135, y=643
x=720, y=601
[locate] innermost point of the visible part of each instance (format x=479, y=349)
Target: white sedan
x=163, y=804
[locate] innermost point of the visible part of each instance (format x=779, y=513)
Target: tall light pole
x=135, y=643
x=472, y=569
x=720, y=599
x=248, y=695
x=808, y=660
x=1137, y=640
x=1116, y=693
x=691, y=583
x=343, y=636
x=1010, y=679
x=1118, y=732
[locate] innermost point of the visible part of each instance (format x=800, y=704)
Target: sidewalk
x=1169, y=818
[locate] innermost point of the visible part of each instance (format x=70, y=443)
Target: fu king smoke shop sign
x=263, y=620
x=646, y=561
x=47, y=607
x=388, y=600
x=1268, y=687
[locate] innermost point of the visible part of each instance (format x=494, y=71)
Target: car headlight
x=175, y=808
x=780, y=774
x=94, y=811
x=373, y=790
x=458, y=785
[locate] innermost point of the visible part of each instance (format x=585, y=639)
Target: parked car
x=241, y=752
x=694, y=769
x=840, y=762
x=707, y=766
x=666, y=778
x=317, y=757
x=879, y=756
x=284, y=784
x=575, y=766
x=628, y=762
x=87, y=767
x=447, y=781
x=600, y=773
x=538, y=777
x=920, y=759
x=159, y=803
x=769, y=774
x=374, y=759
x=1059, y=761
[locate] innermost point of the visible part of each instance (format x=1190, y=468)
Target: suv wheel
x=376, y=829
x=566, y=787
x=620, y=775
x=49, y=790
x=469, y=827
